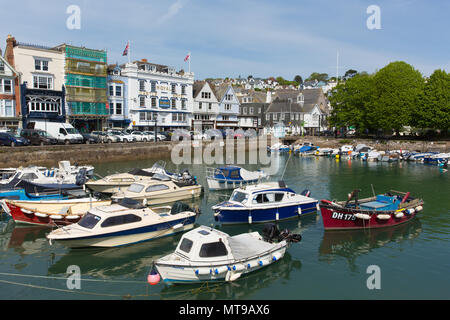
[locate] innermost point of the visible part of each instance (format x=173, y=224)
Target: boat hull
x=223, y=271
x=162, y=197
x=335, y=218
x=222, y=184
x=126, y=237
x=228, y=215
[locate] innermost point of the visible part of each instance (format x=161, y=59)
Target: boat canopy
x=235, y=173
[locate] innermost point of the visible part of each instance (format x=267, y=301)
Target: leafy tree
x=433, y=107
x=298, y=79
x=397, y=88
x=318, y=76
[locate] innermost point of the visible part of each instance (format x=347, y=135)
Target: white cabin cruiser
x=124, y=223
x=207, y=254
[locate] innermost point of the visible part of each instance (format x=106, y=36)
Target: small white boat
x=124, y=223
x=232, y=177
x=324, y=151
x=207, y=254
x=279, y=147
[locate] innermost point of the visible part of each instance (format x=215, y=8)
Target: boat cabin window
x=268, y=197
x=136, y=187
x=239, y=197
x=119, y=220
x=186, y=245
x=29, y=176
x=156, y=187
x=234, y=174
x=89, y=220
x=213, y=249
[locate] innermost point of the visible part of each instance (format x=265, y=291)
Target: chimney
x=9, y=52
x=144, y=60
x=268, y=96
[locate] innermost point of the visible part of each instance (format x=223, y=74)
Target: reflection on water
x=242, y=288
x=351, y=244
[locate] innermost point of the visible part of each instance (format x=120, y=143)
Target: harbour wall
x=98, y=153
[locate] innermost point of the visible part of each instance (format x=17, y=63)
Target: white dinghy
x=207, y=254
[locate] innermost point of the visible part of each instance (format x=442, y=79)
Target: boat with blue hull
x=270, y=201
x=231, y=177
x=22, y=194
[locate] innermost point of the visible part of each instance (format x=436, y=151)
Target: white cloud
x=173, y=10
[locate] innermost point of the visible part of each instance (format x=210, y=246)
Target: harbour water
x=412, y=258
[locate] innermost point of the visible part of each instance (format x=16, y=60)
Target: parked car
x=151, y=136
x=12, y=139
x=63, y=132
x=123, y=137
x=140, y=136
x=38, y=137
x=90, y=138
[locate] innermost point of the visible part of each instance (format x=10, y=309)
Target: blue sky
x=245, y=37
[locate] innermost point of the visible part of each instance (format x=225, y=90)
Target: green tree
x=298, y=79
x=318, y=76
x=397, y=87
x=433, y=107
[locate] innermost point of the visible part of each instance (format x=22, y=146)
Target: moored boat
x=268, y=201
x=383, y=210
x=231, y=177
x=206, y=254
x=124, y=223
x=51, y=212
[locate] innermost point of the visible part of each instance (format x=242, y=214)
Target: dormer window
x=300, y=98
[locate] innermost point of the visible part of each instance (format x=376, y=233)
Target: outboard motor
x=289, y=237
x=270, y=232
x=306, y=193
x=80, y=179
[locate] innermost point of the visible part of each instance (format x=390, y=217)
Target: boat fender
x=399, y=215
x=277, y=216
x=261, y=263
x=419, y=208
x=27, y=211
x=56, y=216
x=72, y=217
x=384, y=216
x=410, y=211
x=203, y=271
x=299, y=210
x=249, y=265
x=220, y=270
x=317, y=206
x=362, y=216
x=250, y=219
x=41, y=215
x=238, y=267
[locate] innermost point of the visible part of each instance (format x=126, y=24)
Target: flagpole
x=129, y=52
x=189, y=62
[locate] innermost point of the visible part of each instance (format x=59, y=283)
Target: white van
x=63, y=132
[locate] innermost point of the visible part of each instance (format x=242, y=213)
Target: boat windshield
x=239, y=197
x=89, y=220
x=136, y=187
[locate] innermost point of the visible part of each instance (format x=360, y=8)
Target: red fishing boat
x=383, y=210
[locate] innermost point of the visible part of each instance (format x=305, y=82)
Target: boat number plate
x=343, y=216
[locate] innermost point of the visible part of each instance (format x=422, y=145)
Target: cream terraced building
x=158, y=95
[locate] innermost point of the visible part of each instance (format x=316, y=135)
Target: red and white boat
x=51, y=213
x=384, y=210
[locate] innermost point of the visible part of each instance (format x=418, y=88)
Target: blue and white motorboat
x=269, y=201
x=436, y=158
x=232, y=177
x=124, y=223
x=22, y=194
x=279, y=147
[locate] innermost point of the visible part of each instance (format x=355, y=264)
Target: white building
x=206, y=106
x=9, y=116
x=157, y=94
x=228, y=107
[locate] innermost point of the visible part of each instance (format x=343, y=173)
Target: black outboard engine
x=80, y=179
x=271, y=233
x=289, y=237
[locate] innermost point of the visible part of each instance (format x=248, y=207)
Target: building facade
x=85, y=73
x=41, y=69
x=9, y=92
x=228, y=106
x=206, y=106
x=117, y=102
x=158, y=96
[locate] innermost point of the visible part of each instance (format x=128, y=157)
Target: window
x=118, y=108
x=141, y=85
x=119, y=220
x=156, y=187
x=183, y=104
x=29, y=176
x=268, y=116
x=62, y=131
x=111, y=90
x=83, y=67
x=183, y=89
x=274, y=116
x=200, y=106
x=244, y=110
x=264, y=197
x=142, y=116
x=227, y=106
x=213, y=249
x=142, y=101
x=136, y=188
x=279, y=197
x=174, y=103
x=41, y=65
x=42, y=82
x=118, y=91
x=5, y=86
x=250, y=110
x=210, y=106
x=153, y=102
x=8, y=110
x=2, y=67
x=186, y=245
x=153, y=86
x=239, y=197
x=89, y=220
x=174, y=88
